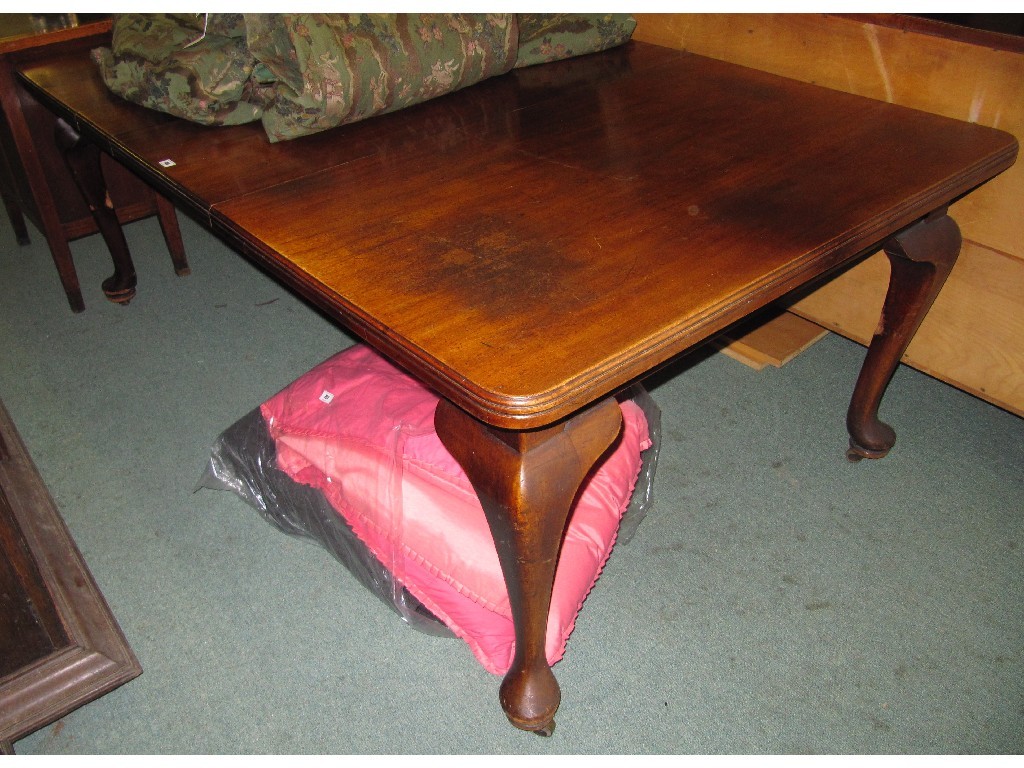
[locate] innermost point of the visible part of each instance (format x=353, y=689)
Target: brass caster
x=857, y=452
x=547, y=730
x=120, y=297
x=118, y=294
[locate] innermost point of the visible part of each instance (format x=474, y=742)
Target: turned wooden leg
x=526, y=482
x=59, y=250
x=83, y=160
x=921, y=257
x=17, y=220
x=168, y=219
x=63, y=260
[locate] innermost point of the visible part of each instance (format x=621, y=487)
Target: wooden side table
x=36, y=184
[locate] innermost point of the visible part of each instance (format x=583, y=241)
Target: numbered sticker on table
x=167, y=163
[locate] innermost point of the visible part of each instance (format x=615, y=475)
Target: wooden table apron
x=532, y=244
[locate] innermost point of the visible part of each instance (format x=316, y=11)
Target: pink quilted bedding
x=362, y=431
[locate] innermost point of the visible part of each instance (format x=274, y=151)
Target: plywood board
x=772, y=341
x=972, y=336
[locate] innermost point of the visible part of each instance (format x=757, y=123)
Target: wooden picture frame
x=60, y=646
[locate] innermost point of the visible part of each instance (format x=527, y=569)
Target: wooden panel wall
x=974, y=336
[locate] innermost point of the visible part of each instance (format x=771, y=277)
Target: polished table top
x=538, y=240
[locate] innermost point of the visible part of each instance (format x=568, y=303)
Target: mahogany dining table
x=533, y=244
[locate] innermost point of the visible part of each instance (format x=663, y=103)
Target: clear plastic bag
x=643, y=493
x=243, y=460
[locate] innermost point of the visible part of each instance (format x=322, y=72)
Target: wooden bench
x=533, y=244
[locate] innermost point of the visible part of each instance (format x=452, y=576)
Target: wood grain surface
x=974, y=336
x=537, y=241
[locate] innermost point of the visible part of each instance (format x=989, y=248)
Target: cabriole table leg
x=920, y=257
x=526, y=482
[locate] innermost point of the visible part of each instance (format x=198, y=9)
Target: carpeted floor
x=778, y=599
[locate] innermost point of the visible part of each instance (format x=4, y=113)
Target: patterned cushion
x=168, y=63
x=306, y=72
x=334, y=69
x=545, y=37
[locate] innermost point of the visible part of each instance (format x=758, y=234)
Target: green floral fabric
x=306, y=72
x=333, y=69
x=546, y=37
x=165, y=62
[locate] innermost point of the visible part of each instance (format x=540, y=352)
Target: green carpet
x=778, y=599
